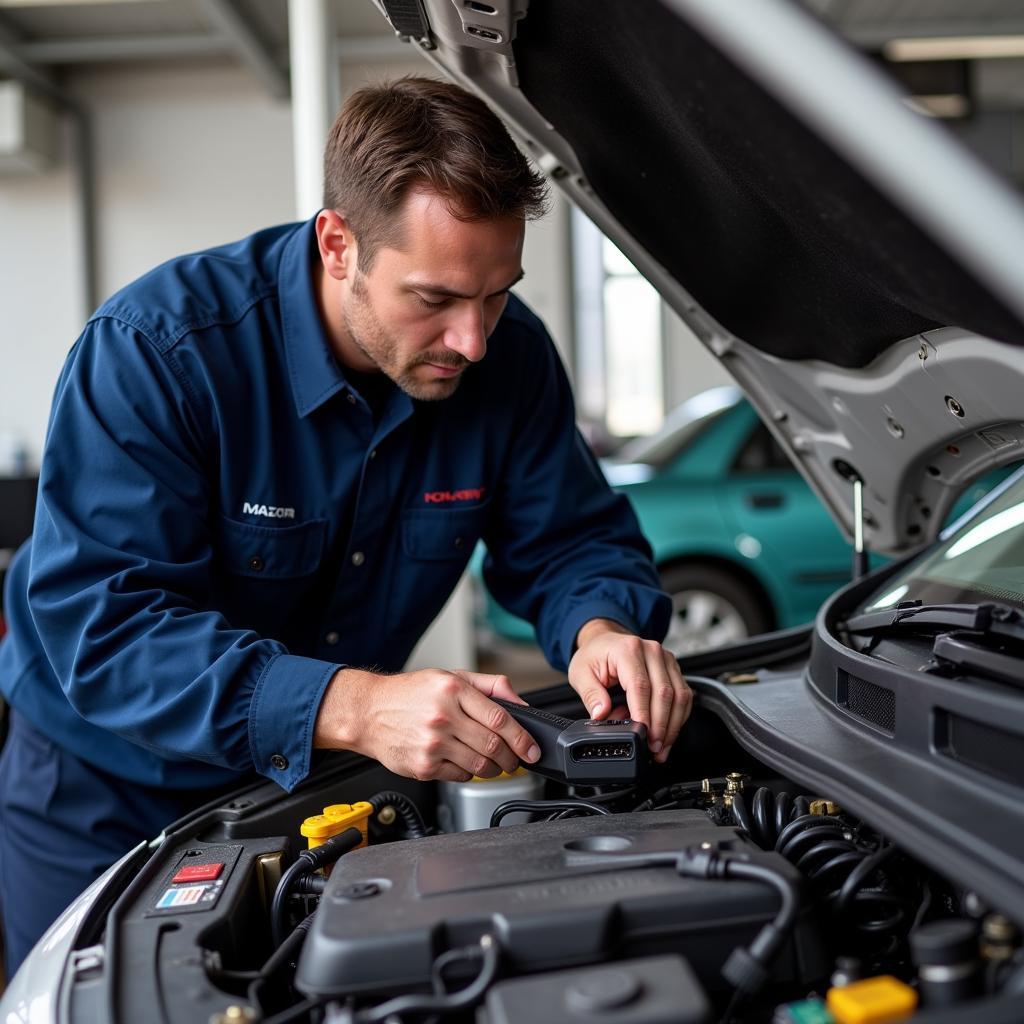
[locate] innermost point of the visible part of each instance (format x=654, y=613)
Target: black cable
x=281, y=957
x=288, y=949
x=309, y=885
x=602, y=798
x=746, y=967
x=277, y=906
x=307, y=862
x=797, y=825
x=799, y=842
x=764, y=811
x=538, y=806
x=488, y=951
x=676, y=792
x=445, y=960
x=292, y=1012
x=415, y=827
x=765, y=814
x=838, y=858
x=743, y=816
x=859, y=875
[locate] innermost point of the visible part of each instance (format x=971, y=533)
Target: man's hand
x=656, y=693
x=430, y=724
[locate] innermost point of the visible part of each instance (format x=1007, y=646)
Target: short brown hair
x=418, y=132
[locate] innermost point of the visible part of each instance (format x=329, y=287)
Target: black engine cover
x=550, y=898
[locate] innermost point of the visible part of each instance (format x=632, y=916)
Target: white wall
x=186, y=157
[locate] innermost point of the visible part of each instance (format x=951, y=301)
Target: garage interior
x=134, y=130
x=212, y=112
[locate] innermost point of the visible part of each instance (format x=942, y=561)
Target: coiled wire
x=837, y=862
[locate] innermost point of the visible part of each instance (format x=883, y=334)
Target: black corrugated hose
x=415, y=827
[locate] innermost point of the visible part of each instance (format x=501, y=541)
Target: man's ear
x=337, y=244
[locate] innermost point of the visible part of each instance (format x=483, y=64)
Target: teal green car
x=742, y=543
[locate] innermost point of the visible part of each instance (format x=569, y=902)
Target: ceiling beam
x=872, y=35
x=103, y=49
x=370, y=48
x=14, y=65
x=13, y=4
x=100, y=49
x=249, y=47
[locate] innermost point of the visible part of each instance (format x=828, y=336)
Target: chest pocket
x=442, y=534
x=270, y=552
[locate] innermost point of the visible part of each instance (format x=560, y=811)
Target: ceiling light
x=951, y=104
x=954, y=48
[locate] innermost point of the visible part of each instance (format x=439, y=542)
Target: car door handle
x=765, y=499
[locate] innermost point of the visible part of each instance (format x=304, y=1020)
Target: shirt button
x=373, y=454
x=256, y=563
x=459, y=542
x=358, y=558
x=351, y=398
x=332, y=638
x=279, y=761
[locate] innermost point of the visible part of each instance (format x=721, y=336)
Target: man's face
x=424, y=312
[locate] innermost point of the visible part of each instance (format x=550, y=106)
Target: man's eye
x=426, y=302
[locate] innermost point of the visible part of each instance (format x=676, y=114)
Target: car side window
x=761, y=453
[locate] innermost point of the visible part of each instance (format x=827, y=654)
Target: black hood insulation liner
x=767, y=227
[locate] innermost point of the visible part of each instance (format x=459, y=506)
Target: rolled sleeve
x=581, y=614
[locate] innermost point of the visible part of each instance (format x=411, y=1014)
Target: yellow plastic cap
x=336, y=819
x=500, y=777
x=872, y=1001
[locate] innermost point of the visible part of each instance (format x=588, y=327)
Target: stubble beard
x=381, y=348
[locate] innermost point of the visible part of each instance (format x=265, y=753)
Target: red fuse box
x=197, y=873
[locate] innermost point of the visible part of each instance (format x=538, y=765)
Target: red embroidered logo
x=443, y=497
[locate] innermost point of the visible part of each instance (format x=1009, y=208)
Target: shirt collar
x=314, y=372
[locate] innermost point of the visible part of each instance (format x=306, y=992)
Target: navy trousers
x=62, y=824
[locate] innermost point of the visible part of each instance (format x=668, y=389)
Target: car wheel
x=710, y=608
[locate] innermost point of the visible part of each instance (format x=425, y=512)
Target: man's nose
x=467, y=335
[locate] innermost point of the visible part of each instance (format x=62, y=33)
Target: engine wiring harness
x=871, y=900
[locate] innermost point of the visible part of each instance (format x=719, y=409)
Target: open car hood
x=858, y=273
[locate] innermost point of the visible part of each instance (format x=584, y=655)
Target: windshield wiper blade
x=958, y=651
x=985, y=617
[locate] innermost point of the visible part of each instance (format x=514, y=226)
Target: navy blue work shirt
x=223, y=522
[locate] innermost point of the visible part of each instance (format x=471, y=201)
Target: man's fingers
x=681, y=706
x=486, y=744
x=631, y=670
x=494, y=718
x=492, y=686
x=584, y=680
x=449, y=772
x=663, y=695
x=471, y=760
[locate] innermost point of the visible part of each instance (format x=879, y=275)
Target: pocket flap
x=440, y=534
x=271, y=552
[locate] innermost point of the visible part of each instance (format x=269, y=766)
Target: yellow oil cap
x=336, y=819
x=872, y=1001
x=502, y=777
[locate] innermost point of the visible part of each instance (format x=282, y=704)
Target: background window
x=619, y=366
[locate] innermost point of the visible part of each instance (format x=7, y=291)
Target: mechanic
x=266, y=468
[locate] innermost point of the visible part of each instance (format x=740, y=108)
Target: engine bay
x=730, y=897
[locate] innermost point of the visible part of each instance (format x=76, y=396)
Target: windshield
x=981, y=560
x=682, y=424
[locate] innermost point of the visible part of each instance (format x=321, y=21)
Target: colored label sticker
x=181, y=897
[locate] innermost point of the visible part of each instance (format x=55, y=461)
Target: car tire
x=711, y=607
